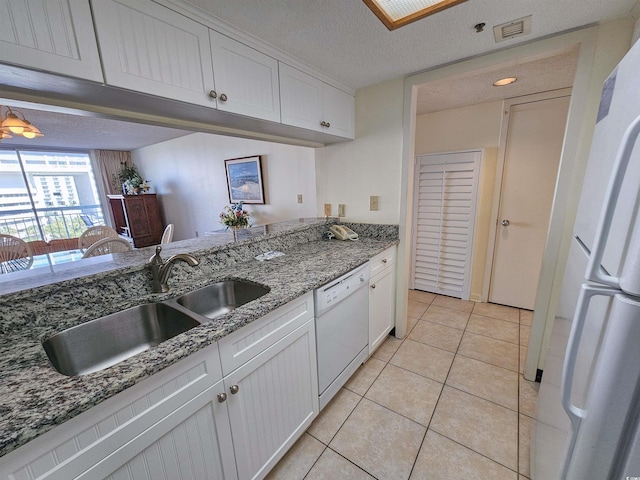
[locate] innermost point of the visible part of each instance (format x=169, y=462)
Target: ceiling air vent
x=512, y=29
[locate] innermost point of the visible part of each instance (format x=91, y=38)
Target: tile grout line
x=517, y=459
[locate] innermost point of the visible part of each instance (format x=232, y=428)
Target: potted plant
x=131, y=181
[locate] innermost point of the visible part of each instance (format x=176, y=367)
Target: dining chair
x=167, y=235
x=92, y=234
x=106, y=246
x=15, y=254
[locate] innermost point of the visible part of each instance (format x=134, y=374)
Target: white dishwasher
x=342, y=330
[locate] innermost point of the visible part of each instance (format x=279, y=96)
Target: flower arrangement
x=131, y=181
x=235, y=216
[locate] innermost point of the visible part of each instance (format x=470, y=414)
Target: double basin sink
x=101, y=343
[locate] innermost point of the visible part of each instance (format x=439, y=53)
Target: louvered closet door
x=444, y=222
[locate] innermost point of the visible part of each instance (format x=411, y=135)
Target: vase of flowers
x=234, y=216
x=131, y=180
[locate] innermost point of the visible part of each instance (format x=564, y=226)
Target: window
x=45, y=195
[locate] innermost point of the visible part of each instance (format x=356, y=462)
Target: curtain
x=111, y=162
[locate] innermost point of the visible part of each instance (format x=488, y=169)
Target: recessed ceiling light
x=397, y=13
x=504, y=81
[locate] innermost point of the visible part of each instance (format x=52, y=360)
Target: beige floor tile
x=406, y=393
x=416, y=309
x=419, y=296
x=436, y=335
x=299, y=460
x=379, y=441
x=528, y=397
x=333, y=466
x=483, y=426
x=496, y=384
x=494, y=328
x=526, y=427
x=526, y=317
x=490, y=350
x=365, y=376
x=444, y=459
x=388, y=348
x=454, y=303
x=327, y=424
x=411, y=323
x=525, y=333
x=446, y=316
x=424, y=360
x=502, y=312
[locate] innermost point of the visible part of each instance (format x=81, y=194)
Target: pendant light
x=12, y=124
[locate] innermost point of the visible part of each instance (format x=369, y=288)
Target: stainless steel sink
x=103, y=342
x=222, y=297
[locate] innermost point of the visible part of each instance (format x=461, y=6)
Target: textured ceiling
x=534, y=76
x=65, y=130
x=345, y=40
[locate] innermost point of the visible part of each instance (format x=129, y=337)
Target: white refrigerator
x=588, y=418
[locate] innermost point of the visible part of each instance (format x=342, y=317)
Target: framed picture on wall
x=244, y=180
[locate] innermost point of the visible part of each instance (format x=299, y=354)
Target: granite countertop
x=34, y=398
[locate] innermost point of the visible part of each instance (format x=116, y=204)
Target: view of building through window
x=47, y=195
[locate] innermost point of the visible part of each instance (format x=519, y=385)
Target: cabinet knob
x=223, y=97
x=234, y=389
x=327, y=124
x=222, y=397
x=323, y=123
x=373, y=285
x=384, y=260
x=213, y=94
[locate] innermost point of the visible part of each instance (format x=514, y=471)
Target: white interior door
x=444, y=221
x=532, y=152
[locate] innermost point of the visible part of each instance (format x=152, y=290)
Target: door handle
x=505, y=223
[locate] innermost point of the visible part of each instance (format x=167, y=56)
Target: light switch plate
x=373, y=203
x=341, y=209
x=327, y=209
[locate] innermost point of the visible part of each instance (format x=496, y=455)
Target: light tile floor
x=447, y=402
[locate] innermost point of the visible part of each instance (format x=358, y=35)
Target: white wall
x=350, y=172
x=468, y=128
x=188, y=174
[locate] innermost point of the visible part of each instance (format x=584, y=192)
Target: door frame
x=497, y=190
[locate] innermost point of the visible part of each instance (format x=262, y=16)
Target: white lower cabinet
x=171, y=425
x=381, y=297
x=276, y=400
x=271, y=381
x=186, y=421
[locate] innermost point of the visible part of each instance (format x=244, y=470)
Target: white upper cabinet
x=338, y=108
x=246, y=79
x=149, y=48
x=310, y=103
x=53, y=36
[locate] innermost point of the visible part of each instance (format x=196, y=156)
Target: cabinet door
x=248, y=79
x=301, y=99
x=338, y=112
x=191, y=442
x=53, y=36
x=275, y=401
x=149, y=48
x=381, y=307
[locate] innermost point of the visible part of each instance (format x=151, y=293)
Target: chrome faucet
x=161, y=269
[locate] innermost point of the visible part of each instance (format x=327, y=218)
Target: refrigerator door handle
x=594, y=272
x=575, y=413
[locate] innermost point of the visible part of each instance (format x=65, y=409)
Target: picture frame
x=244, y=180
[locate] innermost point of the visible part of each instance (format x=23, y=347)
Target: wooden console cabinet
x=137, y=217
